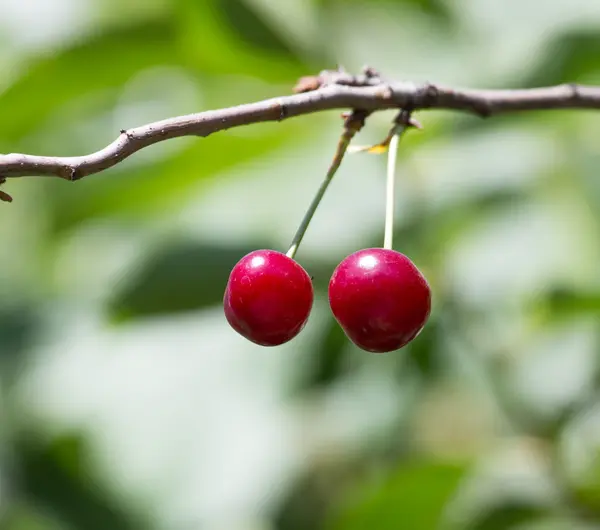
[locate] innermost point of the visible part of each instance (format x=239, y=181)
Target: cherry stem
x=390, y=192
x=342, y=146
x=402, y=122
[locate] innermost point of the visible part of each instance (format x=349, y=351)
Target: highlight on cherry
x=378, y=296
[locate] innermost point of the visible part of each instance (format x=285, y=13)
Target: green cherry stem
x=342, y=146
x=390, y=191
x=403, y=123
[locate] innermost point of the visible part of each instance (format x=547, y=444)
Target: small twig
x=327, y=91
x=5, y=197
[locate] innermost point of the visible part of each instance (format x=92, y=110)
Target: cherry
x=380, y=299
x=268, y=297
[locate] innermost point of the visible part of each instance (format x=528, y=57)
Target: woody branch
x=327, y=91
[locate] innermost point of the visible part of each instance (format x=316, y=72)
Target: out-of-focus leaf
x=100, y=63
x=152, y=188
x=437, y=8
x=305, y=506
x=508, y=515
x=414, y=496
x=312, y=496
x=587, y=487
x=178, y=278
x=57, y=477
x=564, y=302
x=118, y=12
x=18, y=327
x=28, y=517
x=251, y=28
x=229, y=37
x=572, y=57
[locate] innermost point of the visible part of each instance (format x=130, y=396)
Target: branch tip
x=370, y=72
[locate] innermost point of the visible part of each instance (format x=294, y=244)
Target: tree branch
x=327, y=91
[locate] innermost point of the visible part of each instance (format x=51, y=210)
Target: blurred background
x=127, y=402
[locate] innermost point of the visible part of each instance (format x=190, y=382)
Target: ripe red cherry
x=380, y=299
x=268, y=297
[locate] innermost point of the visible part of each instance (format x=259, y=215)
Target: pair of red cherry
x=377, y=295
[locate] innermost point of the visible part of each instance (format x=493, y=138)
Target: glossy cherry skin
x=268, y=297
x=380, y=299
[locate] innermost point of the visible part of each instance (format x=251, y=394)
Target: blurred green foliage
x=128, y=403
x=411, y=497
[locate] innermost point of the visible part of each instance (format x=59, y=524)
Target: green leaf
x=21, y=516
x=587, y=487
x=57, y=477
x=250, y=27
x=508, y=515
x=152, y=189
x=572, y=57
x=18, y=330
x=437, y=8
x=101, y=63
x=413, y=496
x=565, y=302
x=228, y=37
x=308, y=499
